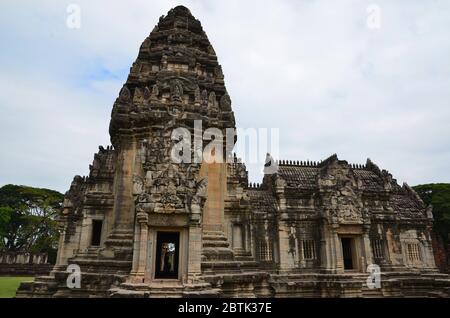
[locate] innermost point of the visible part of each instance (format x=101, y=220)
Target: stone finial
x=270, y=166
x=372, y=166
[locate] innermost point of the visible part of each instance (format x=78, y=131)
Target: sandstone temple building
x=142, y=225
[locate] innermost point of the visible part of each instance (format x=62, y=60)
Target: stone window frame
x=378, y=247
x=93, y=218
x=183, y=257
x=309, y=249
x=413, y=252
x=265, y=250
x=243, y=235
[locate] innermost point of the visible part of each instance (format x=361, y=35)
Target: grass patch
x=9, y=285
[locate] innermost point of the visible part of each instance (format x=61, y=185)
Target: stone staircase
x=218, y=257
x=166, y=290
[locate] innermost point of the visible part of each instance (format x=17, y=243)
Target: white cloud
x=311, y=68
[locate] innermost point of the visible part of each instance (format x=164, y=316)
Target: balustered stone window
x=309, y=249
x=413, y=252
x=265, y=251
x=378, y=248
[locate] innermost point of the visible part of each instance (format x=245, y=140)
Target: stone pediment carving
x=340, y=191
x=166, y=187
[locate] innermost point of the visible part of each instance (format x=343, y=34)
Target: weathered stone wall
x=23, y=263
x=441, y=253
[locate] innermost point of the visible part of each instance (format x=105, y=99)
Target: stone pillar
x=337, y=251
x=394, y=252
x=213, y=213
x=216, y=246
x=328, y=259
x=428, y=255
x=287, y=261
x=301, y=253
x=248, y=239
x=367, y=249
x=86, y=229
x=142, y=219
x=67, y=249
x=121, y=236
x=195, y=253
x=136, y=247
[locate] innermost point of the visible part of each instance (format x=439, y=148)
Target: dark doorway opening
x=167, y=255
x=347, y=252
x=96, y=232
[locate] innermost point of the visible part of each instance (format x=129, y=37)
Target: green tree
x=27, y=219
x=438, y=195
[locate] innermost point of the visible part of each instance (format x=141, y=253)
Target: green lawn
x=9, y=285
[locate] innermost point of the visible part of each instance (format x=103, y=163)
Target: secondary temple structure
x=143, y=225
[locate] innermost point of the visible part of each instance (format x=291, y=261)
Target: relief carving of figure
x=225, y=102
x=176, y=90
x=124, y=94
x=138, y=185
x=204, y=97
x=147, y=94
x=197, y=95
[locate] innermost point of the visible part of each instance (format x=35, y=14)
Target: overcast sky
x=312, y=68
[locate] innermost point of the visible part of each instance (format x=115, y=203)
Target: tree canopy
x=438, y=195
x=27, y=219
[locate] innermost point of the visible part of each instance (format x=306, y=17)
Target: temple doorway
x=347, y=252
x=167, y=255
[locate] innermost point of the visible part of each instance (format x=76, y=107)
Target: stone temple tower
x=167, y=211
x=146, y=215
x=161, y=196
